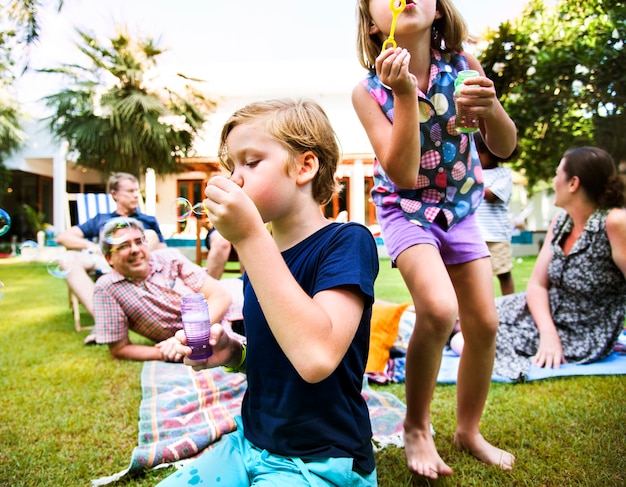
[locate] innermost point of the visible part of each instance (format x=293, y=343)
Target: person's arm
x=217, y=298
x=153, y=232
x=111, y=323
x=73, y=238
x=498, y=129
x=397, y=146
x=192, y=275
x=501, y=188
x=313, y=332
x=157, y=229
x=550, y=351
x=490, y=197
x=616, y=232
x=126, y=350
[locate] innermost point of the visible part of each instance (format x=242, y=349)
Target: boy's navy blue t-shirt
x=281, y=412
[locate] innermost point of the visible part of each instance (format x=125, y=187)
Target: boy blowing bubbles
x=308, y=294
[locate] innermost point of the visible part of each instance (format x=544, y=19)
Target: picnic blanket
x=182, y=413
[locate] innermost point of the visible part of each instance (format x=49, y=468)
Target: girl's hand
x=220, y=342
x=550, y=352
x=479, y=96
x=392, y=67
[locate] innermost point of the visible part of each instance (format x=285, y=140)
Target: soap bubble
x=5, y=222
x=28, y=244
x=28, y=249
x=182, y=208
x=123, y=224
x=2, y=290
x=199, y=209
x=59, y=265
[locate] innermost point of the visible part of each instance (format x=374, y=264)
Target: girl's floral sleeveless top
x=450, y=179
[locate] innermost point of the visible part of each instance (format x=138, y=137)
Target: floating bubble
x=5, y=222
x=28, y=244
x=182, y=208
x=28, y=249
x=199, y=209
x=2, y=290
x=59, y=265
x=123, y=224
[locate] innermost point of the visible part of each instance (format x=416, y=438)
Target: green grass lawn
x=68, y=413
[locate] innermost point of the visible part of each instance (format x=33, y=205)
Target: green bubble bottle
x=465, y=121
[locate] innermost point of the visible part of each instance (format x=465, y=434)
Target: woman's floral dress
x=587, y=299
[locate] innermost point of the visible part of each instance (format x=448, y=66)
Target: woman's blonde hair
x=300, y=126
x=448, y=32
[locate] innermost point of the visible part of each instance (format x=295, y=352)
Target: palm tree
x=19, y=27
x=11, y=135
x=114, y=120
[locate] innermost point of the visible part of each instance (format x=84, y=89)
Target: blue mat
x=614, y=364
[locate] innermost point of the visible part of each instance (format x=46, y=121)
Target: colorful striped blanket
x=183, y=412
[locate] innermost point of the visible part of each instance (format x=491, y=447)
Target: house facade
x=42, y=173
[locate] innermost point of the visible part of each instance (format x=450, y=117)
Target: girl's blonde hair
x=448, y=32
x=300, y=126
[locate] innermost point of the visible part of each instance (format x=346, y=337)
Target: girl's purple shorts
x=462, y=243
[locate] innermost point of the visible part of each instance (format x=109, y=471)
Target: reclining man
x=85, y=256
x=143, y=293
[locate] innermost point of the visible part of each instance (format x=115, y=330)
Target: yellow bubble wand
x=396, y=11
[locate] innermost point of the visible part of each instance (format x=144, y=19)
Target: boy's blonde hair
x=300, y=126
x=448, y=32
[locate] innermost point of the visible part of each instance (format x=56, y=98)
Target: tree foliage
x=19, y=27
x=559, y=71
x=113, y=115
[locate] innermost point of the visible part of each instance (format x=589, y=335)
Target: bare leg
x=436, y=311
x=218, y=255
x=507, y=285
x=474, y=286
x=78, y=280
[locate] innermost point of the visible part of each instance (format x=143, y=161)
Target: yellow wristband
x=238, y=367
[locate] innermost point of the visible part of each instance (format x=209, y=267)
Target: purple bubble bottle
x=197, y=325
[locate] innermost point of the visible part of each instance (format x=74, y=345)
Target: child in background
x=428, y=183
x=308, y=294
x=493, y=214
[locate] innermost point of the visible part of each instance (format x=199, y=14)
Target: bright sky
x=243, y=48
x=199, y=35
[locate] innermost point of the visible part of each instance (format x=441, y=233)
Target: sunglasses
x=127, y=245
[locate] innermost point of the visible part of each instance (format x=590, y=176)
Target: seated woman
x=574, y=307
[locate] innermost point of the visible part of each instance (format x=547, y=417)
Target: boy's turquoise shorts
x=235, y=462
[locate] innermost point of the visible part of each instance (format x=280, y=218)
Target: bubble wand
x=396, y=12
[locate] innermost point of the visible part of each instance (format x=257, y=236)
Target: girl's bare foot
x=485, y=451
x=421, y=454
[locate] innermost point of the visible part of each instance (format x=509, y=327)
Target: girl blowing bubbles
x=428, y=183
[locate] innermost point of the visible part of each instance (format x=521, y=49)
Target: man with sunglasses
x=143, y=293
